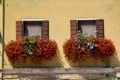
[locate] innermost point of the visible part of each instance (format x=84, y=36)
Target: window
x=32, y=27
x=88, y=26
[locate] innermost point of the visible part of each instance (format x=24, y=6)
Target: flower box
x=35, y=49
x=83, y=49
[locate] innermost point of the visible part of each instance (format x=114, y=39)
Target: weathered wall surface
x=59, y=13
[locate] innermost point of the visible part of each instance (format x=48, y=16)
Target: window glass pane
x=33, y=29
x=87, y=27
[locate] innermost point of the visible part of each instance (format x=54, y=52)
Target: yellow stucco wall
x=59, y=13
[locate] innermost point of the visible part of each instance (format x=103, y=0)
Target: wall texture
x=59, y=13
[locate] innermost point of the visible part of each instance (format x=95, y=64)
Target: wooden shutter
x=45, y=29
x=73, y=28
x=100, y=28
x=19, y=29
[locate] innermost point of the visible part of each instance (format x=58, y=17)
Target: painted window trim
x=81, y=19
x=33, y=19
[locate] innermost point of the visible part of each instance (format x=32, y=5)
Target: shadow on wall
x=112, y=61
x=55, y=62
x=0, y=38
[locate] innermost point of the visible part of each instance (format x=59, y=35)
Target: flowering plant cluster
x=83, y=47
x=37, y=49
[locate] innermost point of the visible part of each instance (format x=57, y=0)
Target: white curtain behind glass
x=88, y=29
x=34, y=29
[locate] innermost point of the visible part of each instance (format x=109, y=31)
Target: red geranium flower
x=83, y=47
x=38, y=49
